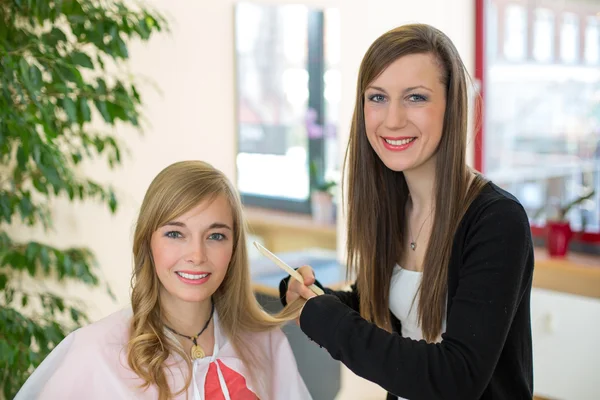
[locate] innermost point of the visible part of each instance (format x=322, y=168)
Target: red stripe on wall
x=480, y=77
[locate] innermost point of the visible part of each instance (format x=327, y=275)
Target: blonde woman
x=194, y=329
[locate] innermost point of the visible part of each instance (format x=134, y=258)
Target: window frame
x=316, y=66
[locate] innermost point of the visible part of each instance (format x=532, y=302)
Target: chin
x=396, y=165
x=191, y=296
x=198, y=296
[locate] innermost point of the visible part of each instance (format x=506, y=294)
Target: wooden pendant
x=197, y=352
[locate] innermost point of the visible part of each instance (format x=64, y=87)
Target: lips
x=193, y=278
x=195, y=275
x=398, y=143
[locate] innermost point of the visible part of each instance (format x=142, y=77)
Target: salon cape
x=91, y=363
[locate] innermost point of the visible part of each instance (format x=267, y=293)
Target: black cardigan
x=486, y=351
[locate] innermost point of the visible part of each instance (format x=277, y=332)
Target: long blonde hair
x=377, y=195
x=175, y=190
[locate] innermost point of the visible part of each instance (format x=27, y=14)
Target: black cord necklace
x=197, y=351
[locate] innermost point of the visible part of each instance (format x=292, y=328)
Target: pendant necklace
x=413, y=243
x=197, y=351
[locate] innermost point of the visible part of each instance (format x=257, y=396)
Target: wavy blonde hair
x=175, y=190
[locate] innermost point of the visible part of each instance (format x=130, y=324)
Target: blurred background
x=264, y=91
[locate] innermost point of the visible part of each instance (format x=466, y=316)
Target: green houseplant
x=63, y=87
x=321, y=196
x=558, y=227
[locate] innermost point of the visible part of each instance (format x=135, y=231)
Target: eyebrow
x=214, y=225
x=410, y=89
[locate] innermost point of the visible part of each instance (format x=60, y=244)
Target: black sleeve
x=349, y=298
x=492, y=279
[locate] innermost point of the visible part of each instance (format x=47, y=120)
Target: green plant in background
x=318, y=181
x=559, y=213
x=62, y=90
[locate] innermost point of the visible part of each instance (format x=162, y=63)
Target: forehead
x=209, y=211
x=408, y=71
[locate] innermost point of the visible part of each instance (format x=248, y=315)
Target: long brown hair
x=175, y=190
x=377, y=195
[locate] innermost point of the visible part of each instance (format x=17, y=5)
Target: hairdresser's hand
x=296, y=289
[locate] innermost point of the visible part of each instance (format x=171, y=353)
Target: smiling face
x=404, y=112
x=192, y=252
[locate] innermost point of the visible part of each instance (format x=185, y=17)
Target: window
x=569, y=38
x=592, y=40
x=543, y=35
x=287, y=60
x=515, y=32
x=542, y=113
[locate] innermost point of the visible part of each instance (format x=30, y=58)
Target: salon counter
x=289, y=232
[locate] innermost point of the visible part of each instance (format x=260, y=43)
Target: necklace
x=197, y=351
x=413, y=243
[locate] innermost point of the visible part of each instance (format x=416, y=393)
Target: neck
x=421, y=185
x=187, y=318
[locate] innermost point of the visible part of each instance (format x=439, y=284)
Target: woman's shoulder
x=88, y=359
x=274, y=334
x=493, y=198
x=493, y=213
x=270, y=340
x=112, y=329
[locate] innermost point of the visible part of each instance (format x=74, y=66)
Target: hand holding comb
x=293, y=273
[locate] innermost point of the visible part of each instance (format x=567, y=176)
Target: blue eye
x=217, y=236
x=173, y=234
x=377, y=98
x=417, y=98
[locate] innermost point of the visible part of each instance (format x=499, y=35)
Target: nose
x=396, y=117
x=197, y=253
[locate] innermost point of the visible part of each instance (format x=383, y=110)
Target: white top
x=404, y=302
x=91, y=363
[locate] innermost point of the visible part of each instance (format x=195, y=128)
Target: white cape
x=91, y=363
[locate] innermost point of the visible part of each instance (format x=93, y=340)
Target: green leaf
x=103, y=109
x=136, y=94
x=116, y=111
x=122, y=48
x=69, y=73
x=112, y=202
x=84, y=110
x=40, y=186
x=100, y=61
x=60, y=304
x=24, y=68
x=76, y=157
x=75, y=314
x=26, y=207
x=3, y=281
x=22, y=156
x=24, y=300
x=45, y=259
x=101, y=88
x=99, y=143
x=143, y=29
x=9, y=295
x=70, y=192
x=35, y=76
x=150, y=22
x=82, y=59
x=55, y=36
x=70, y=109
x=31, y=251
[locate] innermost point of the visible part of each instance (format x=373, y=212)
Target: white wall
x=193, y=116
